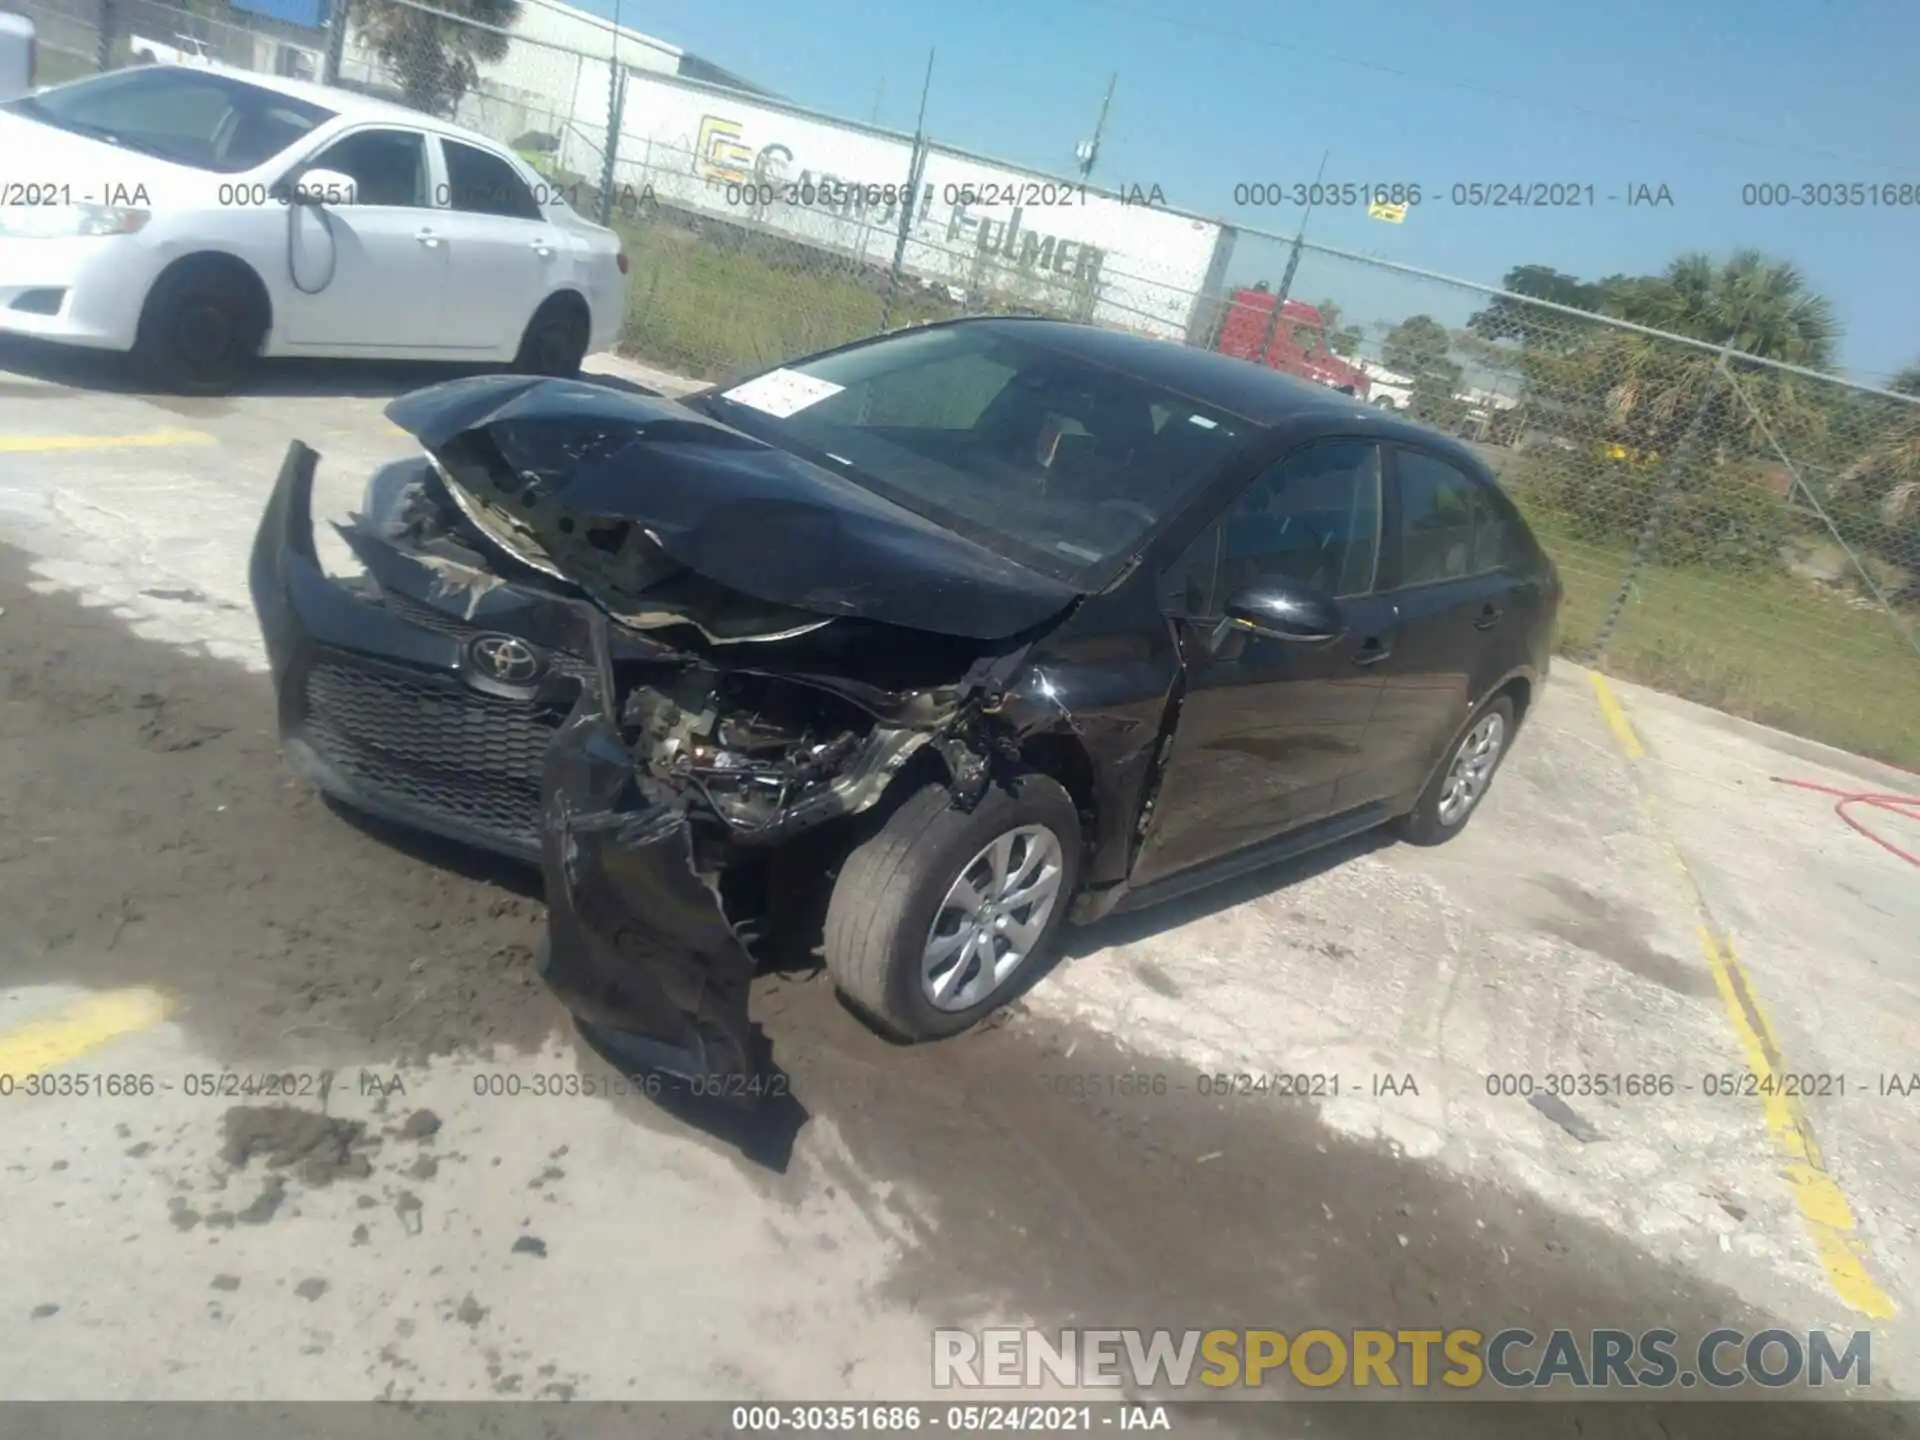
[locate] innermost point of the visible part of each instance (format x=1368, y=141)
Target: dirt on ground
x=1055, y=1189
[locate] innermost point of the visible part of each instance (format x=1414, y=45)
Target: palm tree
x=1888, y=469
x=436, y=61
x=1747, y=302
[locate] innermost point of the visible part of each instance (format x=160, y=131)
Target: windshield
x=1059, y=464
x=191, y=117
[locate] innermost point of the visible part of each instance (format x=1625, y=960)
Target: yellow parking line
x=80, y=1029
x=36, y=444
x=1616, y=718
x=1822, y=1204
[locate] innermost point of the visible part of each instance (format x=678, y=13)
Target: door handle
x=1372, y=651
x=1489, y=617
x=543, y=249
x=428, y=239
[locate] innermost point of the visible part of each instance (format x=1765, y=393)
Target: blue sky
x=1703, y=96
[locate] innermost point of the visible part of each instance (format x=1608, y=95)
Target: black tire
x=556, y=340
x=1425, y=823
x=893, y=886
x=201, y=329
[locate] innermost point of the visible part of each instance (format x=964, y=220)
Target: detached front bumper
x=638, y=945
x=385, y=703
x=384, y=700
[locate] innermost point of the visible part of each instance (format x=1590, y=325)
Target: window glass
x=388, y=167
x=1187, y=586
x=1055, y=461
x=192, y=117
x=1314, y=518
x=1436, y=520
x=1499, y=534
x=483, y=184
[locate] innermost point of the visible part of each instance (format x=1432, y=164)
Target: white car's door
x=505, y=257
x=370, y=275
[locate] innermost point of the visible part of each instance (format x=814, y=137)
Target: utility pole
x=879, y=94
x=1293, y=261
x=1089, y=150
x=916, y=167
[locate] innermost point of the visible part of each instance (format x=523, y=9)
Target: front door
x=370, y=275
x=1268, y=727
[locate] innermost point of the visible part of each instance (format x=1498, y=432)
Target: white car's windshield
x=191, y=117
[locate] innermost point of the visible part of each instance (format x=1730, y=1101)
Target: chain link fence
x=1734, y=530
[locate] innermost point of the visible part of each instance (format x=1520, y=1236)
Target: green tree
x=1886, y=473
x=436, y=61
x=1506, y=318
x=1419, y=346
x=1341, y=339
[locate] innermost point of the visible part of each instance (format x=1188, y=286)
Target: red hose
x=1907, y=806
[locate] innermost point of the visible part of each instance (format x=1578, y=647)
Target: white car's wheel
x=556, y=339
x=202, y=327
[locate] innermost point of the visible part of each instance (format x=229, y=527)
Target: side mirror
x=1284, y=609
x=325, y=187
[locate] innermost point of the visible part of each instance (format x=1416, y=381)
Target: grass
x=706, y=309
x=1766, y=645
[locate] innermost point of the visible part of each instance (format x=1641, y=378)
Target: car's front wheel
x=940, y=915
x=1461, y=783
x=202, y=327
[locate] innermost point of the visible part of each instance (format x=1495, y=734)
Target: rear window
x=191, y=117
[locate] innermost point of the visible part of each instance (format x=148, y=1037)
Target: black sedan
x=986, y=625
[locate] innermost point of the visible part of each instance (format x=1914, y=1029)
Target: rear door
x=371, y=273
x=1451, y=596
x=1268, y=727
x=505, y=256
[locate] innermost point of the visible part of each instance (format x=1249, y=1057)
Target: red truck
x=1296, y=343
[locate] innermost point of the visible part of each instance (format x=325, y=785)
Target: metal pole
x=1650, y=532
x=109, y=29
x=916, y=167
x=1293, y=262
x=337, y=17
x=616, y=102
x=1099, y=128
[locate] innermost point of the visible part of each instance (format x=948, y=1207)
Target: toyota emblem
x=502, y=657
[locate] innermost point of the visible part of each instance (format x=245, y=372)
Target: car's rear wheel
x=202, y=328
x=556, y=340
x=1461, y=783
x=941, y=915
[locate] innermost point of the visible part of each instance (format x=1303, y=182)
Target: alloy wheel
x=992, y=917
x=1472, y=769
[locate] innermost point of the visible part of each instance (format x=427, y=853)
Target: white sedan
x=200, y=218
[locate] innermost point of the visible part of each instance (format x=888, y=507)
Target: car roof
x=1268, y=398
x=1240, y=387
x=347, y=104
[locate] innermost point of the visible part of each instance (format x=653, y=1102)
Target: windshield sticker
x=781, y=393
x=1203, y=422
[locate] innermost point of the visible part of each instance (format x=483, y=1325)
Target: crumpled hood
x=723, y=504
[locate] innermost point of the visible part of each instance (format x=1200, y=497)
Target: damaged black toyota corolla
x=989, y=622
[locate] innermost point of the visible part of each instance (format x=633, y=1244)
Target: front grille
x=470, y=760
